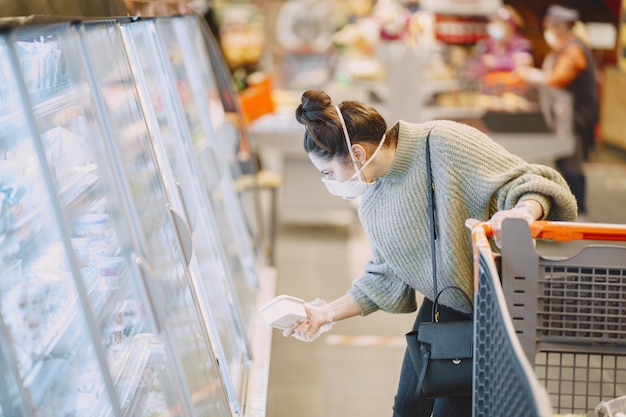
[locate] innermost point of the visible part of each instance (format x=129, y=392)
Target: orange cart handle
x=567, y=231
x=481, y=231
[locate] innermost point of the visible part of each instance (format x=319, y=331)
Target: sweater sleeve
x=379, y=289
x=539, y=183
x=491, y=173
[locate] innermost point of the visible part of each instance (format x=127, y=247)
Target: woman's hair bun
x=312, y=107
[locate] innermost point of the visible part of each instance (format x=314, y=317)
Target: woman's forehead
x=323, y=164
x=320, y=163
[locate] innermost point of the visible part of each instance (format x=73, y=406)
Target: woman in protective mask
x=504, y=49
x=475, y=178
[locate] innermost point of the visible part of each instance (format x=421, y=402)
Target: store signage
x=460, y=30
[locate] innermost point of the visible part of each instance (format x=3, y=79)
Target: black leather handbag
x=441, y=351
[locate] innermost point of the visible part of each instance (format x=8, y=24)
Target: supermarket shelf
x=441, y=112
x=433, y=86
x=46, y=106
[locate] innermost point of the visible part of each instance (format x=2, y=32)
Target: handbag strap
x=422, y=374
x=453, y=287
x=432, y=220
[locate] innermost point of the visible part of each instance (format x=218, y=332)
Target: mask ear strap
x=371, y=158
x=347, y=138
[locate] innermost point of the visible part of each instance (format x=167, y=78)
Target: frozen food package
x=51, y=68
x=283, y=311
x=33, y=57
x=30, y=65
x=93, y=226
x=66, y=151
x=109, y=270
x=43, y=51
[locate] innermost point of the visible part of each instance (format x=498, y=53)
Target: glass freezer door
x=46, y=327
x=244, y=155
x=172, y=143
x=223, y=97
x=158, y=231
x=140, y=377
x=214, y=172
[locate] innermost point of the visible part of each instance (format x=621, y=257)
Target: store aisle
x=353, y=370
x=350, y=371
x=606, y=186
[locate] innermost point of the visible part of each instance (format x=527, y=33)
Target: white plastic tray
x=283, y=311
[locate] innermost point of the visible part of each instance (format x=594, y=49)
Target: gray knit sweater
x=474, y=177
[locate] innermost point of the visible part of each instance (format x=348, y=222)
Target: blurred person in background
x=570, y=66
x=474, y=178
x=505, y=48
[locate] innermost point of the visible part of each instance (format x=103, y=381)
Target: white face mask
x=495, y=31
x=550, y=38
x=352, y=188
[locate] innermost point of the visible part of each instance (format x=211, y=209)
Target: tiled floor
x=353, y=370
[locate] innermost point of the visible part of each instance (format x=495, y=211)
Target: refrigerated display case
x=246, y=165
x=173, y=148
x=160, y=234
x=212, y=149
x=117, y=293
x=48, y=326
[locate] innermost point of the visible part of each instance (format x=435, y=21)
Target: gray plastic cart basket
x=569, y=312
x=504, y=381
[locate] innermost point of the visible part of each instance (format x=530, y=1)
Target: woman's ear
x=359, y=153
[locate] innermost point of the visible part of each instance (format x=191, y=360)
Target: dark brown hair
x=324, y=135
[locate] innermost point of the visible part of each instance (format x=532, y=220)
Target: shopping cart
x=504, y=381
x=568, y=312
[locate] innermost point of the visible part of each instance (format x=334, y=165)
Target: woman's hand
x=319, y=319
x=529, y=210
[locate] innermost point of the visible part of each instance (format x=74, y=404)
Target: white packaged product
x=67, y=152
x=283, y=311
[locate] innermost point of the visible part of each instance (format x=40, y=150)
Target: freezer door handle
x=188, y=205
x=184, y=235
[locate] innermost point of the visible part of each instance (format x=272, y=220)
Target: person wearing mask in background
x=570, y=66
x=475, y=178
x=505, y=48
